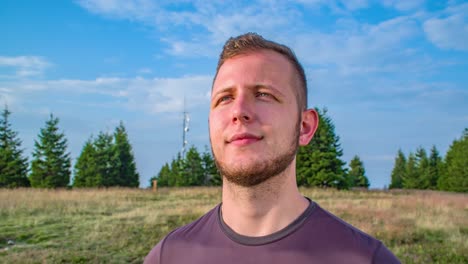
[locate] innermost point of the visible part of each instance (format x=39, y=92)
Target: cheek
x=287, y=127
x=215, y=125
x=216, y=138
x=219, y=116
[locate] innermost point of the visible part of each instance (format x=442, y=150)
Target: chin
x=245, y=161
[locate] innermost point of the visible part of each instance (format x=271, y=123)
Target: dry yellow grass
x=121, y=225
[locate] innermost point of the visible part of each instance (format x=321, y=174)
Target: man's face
x=254, y=119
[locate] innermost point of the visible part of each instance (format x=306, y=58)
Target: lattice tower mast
x=185, y=130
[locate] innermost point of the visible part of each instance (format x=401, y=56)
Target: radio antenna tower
x=185, y=126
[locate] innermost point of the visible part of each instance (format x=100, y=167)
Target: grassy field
x=122, y=225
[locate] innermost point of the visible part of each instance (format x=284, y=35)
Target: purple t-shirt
x=316, y=236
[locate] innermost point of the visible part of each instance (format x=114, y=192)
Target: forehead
x=257, y=67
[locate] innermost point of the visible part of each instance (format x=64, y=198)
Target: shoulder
x=339, y=227
x=195, y=229
x=181, y=235
x=347, y=237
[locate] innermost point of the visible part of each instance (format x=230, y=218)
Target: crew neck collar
x=262, y=240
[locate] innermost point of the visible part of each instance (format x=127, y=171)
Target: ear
x=309, y=125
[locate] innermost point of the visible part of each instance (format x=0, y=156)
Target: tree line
x=194, y=169
x=107, y=160
x=422, y=171
x=104, y=161
x=318, y=164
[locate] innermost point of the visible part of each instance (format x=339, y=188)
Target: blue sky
x=393, y=74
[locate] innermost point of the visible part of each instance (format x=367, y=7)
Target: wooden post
x=155, y=185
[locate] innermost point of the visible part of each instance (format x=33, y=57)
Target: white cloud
x=360, y=47
x=157, y=95
x=214, y=22
x=145, y=71
x=208, y=24
x=405, y=5
x=25, y=66
x=450, y=32
x=167, y=94
x=219, y=22
x=355, y=4
x=134, y=10
x=190, y=48
x=312, y=2
x=6, y=97
x=260, y=18
x=336, y=6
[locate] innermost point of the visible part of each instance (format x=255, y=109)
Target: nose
x=242, y=110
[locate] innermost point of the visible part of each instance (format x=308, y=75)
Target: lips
x=243, y=138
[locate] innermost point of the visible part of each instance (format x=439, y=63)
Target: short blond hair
x=251, y=42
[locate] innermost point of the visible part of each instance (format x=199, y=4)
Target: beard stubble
x=255, y=174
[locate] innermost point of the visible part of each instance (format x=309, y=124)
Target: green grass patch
x=122, y=225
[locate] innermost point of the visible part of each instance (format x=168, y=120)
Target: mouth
x=243, y=139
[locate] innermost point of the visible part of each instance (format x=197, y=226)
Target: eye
x=224, y=99
x=263, y=94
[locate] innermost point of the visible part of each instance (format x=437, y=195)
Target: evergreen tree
x=106, y=162
x=13, y=165
x=51, y=162
x=435, y=167
x=357, y=173
x=193, y=170
x=176, y=178
x=455, y=173
x=411, y=176
x=319, y=163
x=211, y=171
x=398, y=172
x=86, y=167
x=163, y=176
x=194, y=174
x=125, y=166
x=422, y=161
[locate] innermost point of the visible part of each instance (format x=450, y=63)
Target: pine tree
x=194, y=173
x=13, y=165
x=319, y=163
x=51, y=162
x=435, y=167
x=398, y=172
x=86, y=167
x=455, y=172
x=411, y=176
x=106, y=162
x=211, y=171
x=125, y=166
x=357, y=173
x=422, y=161
x=163, y=176
x=193, y=170
x=177, y=178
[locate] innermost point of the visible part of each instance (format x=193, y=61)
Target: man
x=258, y=118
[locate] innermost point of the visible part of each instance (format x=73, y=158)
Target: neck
x=265, y=208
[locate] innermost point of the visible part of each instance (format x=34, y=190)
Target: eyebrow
x=269, y=87
x=224, y=90
x=255, y=86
